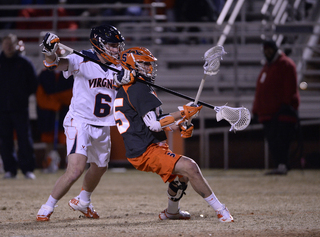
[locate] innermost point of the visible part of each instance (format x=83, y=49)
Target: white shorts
x=93, y=142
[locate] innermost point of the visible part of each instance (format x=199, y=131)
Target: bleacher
x=179, y=51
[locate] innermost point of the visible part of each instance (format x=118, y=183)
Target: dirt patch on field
x=129, y=203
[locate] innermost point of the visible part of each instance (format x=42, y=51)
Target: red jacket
x=276, y=87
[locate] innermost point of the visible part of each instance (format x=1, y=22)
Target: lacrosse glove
x=189, y=111
x=185, y=129
x=50, y=43
x=124, y=77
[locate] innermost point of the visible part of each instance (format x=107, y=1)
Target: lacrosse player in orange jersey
x=141, y=124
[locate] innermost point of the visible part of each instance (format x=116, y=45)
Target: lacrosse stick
x=224, y=115
x=137, y=79
x=239, y=118
x=211, y=67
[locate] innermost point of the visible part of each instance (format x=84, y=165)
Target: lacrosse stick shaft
x=137, y=79
x=198, y=94
x=200, y=89
x=88, y=58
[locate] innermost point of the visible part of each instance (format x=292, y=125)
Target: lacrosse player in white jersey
x=87, y=124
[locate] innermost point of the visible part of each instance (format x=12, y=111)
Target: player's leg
x=176, y=190
x=189, y=168
x=92, y=177
x=82, y=202
x=98, y=156
x=76, y=166
x=77, y=139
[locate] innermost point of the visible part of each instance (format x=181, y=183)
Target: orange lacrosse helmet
x=141, y=60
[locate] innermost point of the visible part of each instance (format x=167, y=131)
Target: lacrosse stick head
x=239, y=118
x=212, y=59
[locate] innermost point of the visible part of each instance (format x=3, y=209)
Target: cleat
x=224, y=215
x=86, y=209
x=180, y=215
x=44, y=213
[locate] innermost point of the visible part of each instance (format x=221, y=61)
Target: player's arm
x=156, y=124
x=187, y=112
x=51, y=61
x=168, y=121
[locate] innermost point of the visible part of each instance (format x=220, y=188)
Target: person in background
x=276, y=104
x=18, y=81
x=53, y=95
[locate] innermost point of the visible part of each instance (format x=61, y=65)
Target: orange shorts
x=157, y=159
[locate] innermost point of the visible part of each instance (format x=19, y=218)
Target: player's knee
x=191, y=168
x=187, y=167
x=98, y=170
x=73, y=174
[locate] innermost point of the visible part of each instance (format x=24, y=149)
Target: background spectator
x=53, y=98
x=276, y=104
x=18, y=81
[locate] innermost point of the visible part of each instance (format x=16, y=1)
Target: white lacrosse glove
x=124, y=77
x=50, y=43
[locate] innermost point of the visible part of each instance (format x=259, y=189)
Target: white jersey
x=93, y=95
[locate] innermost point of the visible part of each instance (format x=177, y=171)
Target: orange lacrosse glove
x=189, y=112
x=185, y=129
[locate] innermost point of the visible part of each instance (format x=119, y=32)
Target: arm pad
x=166, y=120
x=150, y=119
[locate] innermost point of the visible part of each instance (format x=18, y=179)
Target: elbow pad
x=150, y=119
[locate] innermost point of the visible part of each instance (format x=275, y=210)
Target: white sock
x=51, y=202
x=85, y=196
x=213, y=201
x=173, y=207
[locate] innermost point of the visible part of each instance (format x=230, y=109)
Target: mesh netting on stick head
x=239, y=118
x=212, y=57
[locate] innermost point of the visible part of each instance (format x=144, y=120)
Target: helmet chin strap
x=102, y=59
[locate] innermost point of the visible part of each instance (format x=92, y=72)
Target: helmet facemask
x=109, y=51
x=147, y=69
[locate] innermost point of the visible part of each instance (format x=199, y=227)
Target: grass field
x=129, y=203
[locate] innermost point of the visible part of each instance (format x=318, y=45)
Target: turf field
x=129, y=204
